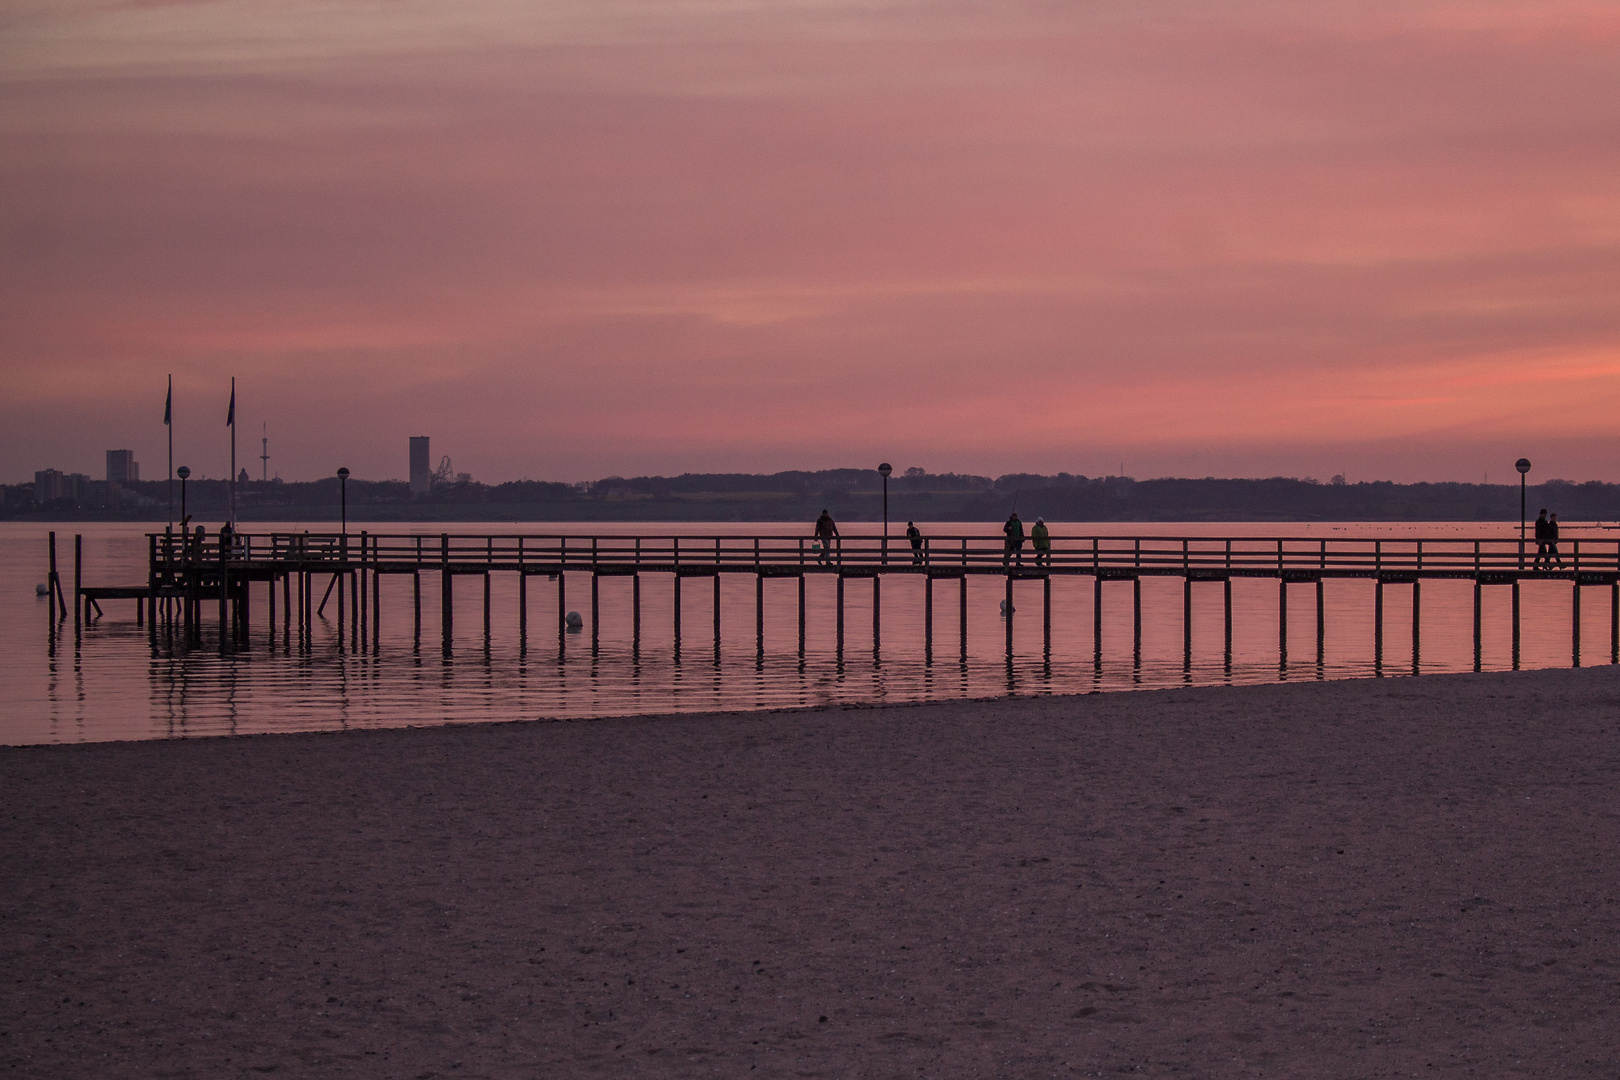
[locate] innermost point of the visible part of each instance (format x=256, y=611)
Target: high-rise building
x=53, y=484
x=122, y=468
x=421, y=471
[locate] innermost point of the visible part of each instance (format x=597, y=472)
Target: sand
x=1358, y=879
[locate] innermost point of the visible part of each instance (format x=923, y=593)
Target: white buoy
x=42, y=589
x=1007, y=609
x=573, y=620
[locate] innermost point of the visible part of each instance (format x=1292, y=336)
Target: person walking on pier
x=826, y=529
x=1014, y=529
x=914, y=537
x=1541, y=542
x=1552, y=543
x=1042, y=539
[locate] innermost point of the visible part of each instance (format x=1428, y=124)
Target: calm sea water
x=111, y=684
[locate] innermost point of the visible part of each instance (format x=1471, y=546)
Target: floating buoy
x=42, y=589
x=1006, y=609
x=573, y=620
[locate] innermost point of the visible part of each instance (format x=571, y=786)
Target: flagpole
x=233, y=452
x=168, y=422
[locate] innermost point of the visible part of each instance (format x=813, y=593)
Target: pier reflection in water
x=110, y=682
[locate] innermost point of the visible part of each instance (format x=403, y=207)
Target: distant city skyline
x=576, y=240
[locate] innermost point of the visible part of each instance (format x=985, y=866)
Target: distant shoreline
x=850, y=494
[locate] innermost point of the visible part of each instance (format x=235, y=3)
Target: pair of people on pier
x=1547, y=542
x=1014, y=531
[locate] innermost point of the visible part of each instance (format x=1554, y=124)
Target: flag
x=230, y=418
x=168, y=405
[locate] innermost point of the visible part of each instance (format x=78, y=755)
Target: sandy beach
x=1380, y=878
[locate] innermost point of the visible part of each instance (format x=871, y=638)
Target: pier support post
x=677, y=618
x=759, y=616
x=376, y=605
x=355, y=574
x=270, y=608
x=717, y=613
x=78, y=584
x=964, y=614
x=1515, y=624
x=446, y=595
x=1321, y=628
x=1136, y=622
x=928, y=619
x=1417, y=621
x=52, y=588
x=1046, y=618
x=416, y=606
x=1186, y=624
x=801, y=616
x=1096, y=620
x=840, y=617
x=1614, y=623
x=1479, y=642
x=877, y=613
x=596, y=613
x=1227, y=589
x=562, y=609
x=523, y=609
x=1378, y=627
x=363, y=582
x=1575, y=628
x=1009, y=618
x=635, y=616
x=486, y=610
x=1282, y=622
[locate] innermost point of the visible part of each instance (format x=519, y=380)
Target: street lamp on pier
x=884, y=470
x=1523, y=465
x=343, y=487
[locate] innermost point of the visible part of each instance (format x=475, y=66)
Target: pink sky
x=585, y=237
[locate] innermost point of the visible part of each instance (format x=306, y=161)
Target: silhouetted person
x=825, y=531
x=1014, y=529
x=1541, y=541
x=1552, y=543
x=227, y=537
x=1042, y=540
x=914, y=537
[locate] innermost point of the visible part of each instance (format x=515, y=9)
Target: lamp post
x=343, y=476
x=1523, y=465
x=884, y=470
x=182, y=472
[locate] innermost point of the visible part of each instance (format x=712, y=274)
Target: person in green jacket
x=1042, y=541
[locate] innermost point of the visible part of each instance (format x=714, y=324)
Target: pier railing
x=184, y=571
x=868, y=553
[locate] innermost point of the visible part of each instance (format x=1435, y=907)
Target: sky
x=578, y=238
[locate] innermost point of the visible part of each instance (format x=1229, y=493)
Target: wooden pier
x=186, y=575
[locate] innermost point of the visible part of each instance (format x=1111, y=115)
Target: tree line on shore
x=850, y=494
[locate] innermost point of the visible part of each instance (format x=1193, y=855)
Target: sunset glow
x=575, y=239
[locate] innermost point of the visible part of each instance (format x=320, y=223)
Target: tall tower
x=421, y=471
x=121, y=467
x=264, y=455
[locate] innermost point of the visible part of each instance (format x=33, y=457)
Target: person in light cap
x=1042, y=539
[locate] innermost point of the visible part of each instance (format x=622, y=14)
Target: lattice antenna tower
x=264, y=455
